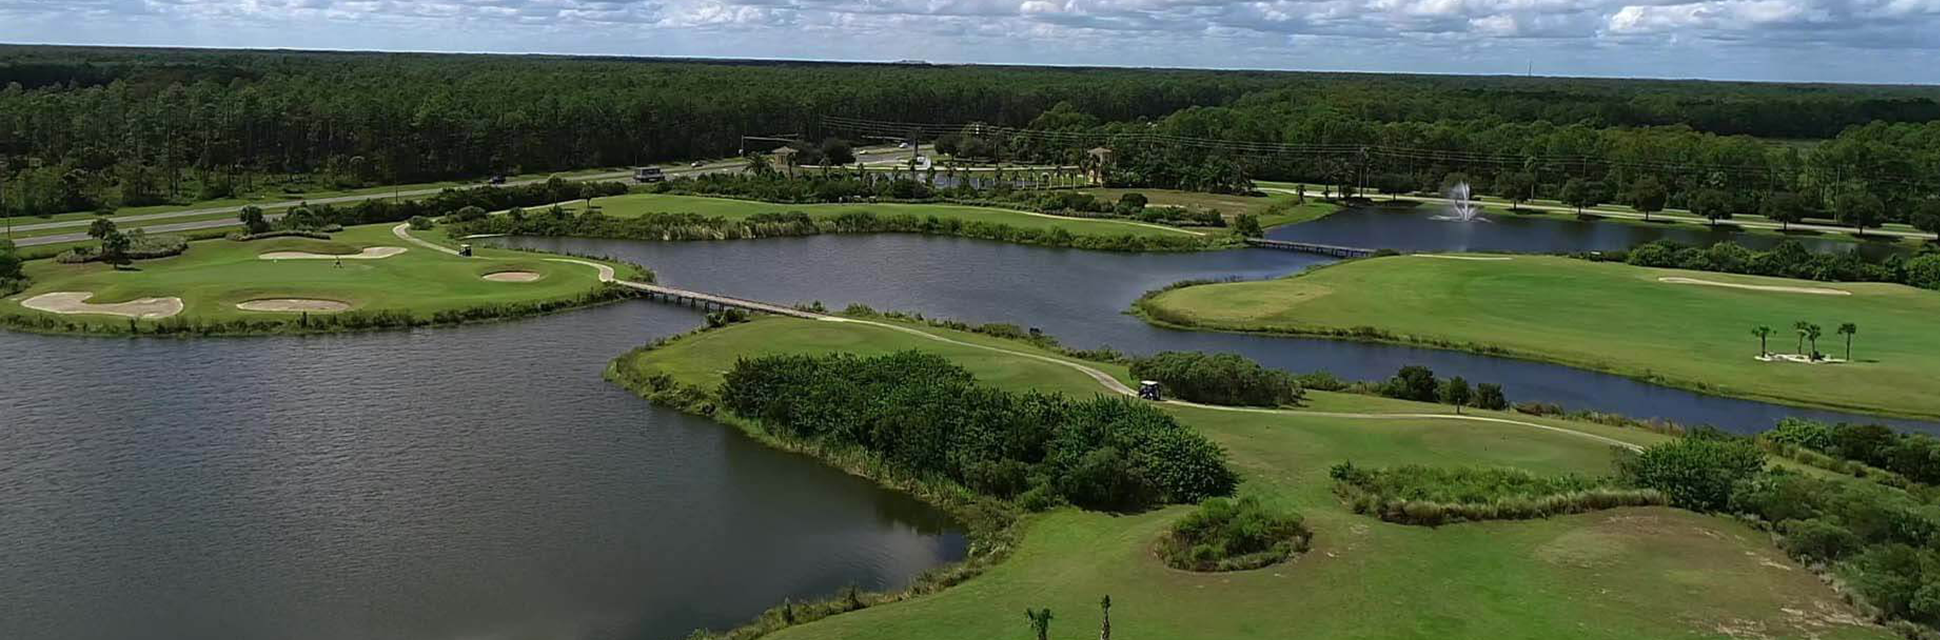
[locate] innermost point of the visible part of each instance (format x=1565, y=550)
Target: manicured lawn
x=643, y=203
x=215, y=275
x=1622, y=574
x=1611, y=317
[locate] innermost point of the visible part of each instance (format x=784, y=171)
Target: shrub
x=421, y=223
x=1697, y=473
x=1488, y=395
x=1413, y=382
x=1225, y=379
x=926, y=417
x=1815, y=539
x=1433, y=496
x=1233, y=535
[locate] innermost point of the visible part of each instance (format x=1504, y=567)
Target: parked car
x=649, y=174
x=697, y=164
x=496, y=180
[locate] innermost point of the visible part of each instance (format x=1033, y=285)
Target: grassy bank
x=636, y=205
x=1604, y=316
x=1627, y=573
x=415, y=286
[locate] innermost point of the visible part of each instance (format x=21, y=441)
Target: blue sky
x=1891, y=41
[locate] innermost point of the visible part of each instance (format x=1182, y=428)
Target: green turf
x=643, y=203
x=1622, y=574
x=1610, y=317
x=214, y=275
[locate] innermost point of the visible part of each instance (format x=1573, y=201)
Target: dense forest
x=89, y=128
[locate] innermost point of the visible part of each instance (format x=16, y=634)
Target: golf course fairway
x=638, y=204
x=365, y=269
x=1619, y=574
x=1689, y=329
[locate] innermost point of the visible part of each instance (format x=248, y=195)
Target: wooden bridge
x=713, y=301
x=1309, y=247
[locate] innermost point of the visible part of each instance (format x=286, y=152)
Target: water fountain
x=1462, y=208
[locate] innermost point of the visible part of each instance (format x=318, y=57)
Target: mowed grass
x=1623, y=574
x=635, y=205
x=1232, y=205
x=1610, y=317
x=214, y=275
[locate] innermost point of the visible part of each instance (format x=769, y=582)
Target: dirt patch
x=292, y=305
x=513, y=276
x=1481, y=258
x=75, y=302
x=369, y=253
x=1585, y=548
x=1757, y=287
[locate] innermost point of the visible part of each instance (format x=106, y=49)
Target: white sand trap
x=1801, y=359
x=1757, y=287
x=1483, y=258
x=292, y=305
x=369, y=253
x=512, y=276
x=75, y=302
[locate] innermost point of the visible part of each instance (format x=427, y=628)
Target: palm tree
x=1761, y=331
x=1812, y=333
x=758, y=164
x=1040, y=622
x=1847, y=329
x=1800, y=327
x=1104, y=629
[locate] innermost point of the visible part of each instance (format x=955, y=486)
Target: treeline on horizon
x=89, y=128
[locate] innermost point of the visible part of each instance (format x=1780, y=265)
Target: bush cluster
x=690, y=226
x=1788, y=259
x=1233, y=535
x=1432, y=496
x=141, y=246
x=1418, y=383
x=925, y=416
x=1224, y=378
x=1914, y=456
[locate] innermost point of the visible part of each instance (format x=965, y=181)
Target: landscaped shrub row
x=310, y=323
x=689, y=226
x=926, y=416
x=1233, y=535
x=1225, y=379
x=1433, y=496
x=844, y=186
x=1788, y=259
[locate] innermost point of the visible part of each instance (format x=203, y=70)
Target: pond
x=469, y=482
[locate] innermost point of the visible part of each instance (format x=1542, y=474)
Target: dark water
x=1081, y=296
x=1416, y=229
x=478, y=482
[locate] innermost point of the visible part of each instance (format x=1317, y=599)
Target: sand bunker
x=1485, y=258
x=1801, y=359
x=512, y=276
x=1757, y=287
x=75, y=302
x=369, y=253
x=293, y=305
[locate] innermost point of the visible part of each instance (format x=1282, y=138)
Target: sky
x=1872, y=41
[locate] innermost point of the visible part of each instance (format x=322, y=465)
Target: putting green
x=1684, y=328
x=1618, y=575
x=226, y=279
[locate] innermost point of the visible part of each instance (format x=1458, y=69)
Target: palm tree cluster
x=1807, y=332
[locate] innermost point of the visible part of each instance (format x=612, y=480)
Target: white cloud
x=1796, y=39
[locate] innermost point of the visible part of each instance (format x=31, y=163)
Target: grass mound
x=1229, y=535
